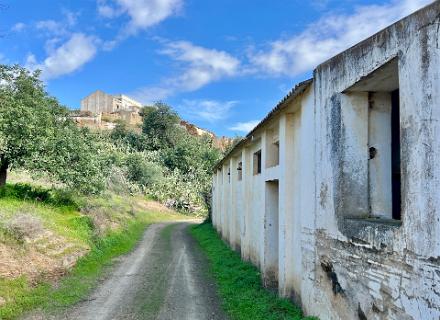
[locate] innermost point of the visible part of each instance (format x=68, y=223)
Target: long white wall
x=317, y=220
x=269, y=216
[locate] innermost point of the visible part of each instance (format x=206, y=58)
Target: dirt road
x=163, y=278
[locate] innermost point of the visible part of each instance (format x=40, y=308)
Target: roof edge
x=300, y=88
x=422, y=10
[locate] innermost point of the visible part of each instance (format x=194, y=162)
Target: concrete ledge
x=272, y=173
x=379, y=233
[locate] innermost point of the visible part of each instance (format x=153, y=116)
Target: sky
x=222, y=65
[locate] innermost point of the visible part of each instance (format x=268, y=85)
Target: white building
x=335, y=195
x=101, y=102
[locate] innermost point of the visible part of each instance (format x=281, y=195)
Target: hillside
x=44, y=232
x=108, y=121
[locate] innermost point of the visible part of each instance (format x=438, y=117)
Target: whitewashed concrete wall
x=333, y=258
x=251, y=225
x=98, y=102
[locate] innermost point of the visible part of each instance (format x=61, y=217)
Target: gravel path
x=163, y=278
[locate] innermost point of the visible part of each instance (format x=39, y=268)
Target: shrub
x=117, y=182
x=180, y=192
x=23, y=191
x=141, y=171
x=37, y=134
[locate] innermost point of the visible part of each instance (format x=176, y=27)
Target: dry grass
x=22, y=176
x=24, y=226
x=29, y=249
x=42, y=237
x=60, y=241
x=40, y=241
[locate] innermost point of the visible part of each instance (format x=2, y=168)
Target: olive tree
x=159, y=126
x=37, y=134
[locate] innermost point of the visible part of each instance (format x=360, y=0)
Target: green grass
x=24, y=191
x=63, y=220
x=77, y=284
x=239, y=283
x=67, y=221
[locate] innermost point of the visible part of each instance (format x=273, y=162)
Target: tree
x=37, y=134
x=76, y=157
x=124, y=136
x=160, y=125
x=27, y=116
x=167, y=161
x=141, y=171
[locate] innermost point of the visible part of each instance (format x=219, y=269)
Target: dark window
x=395, y=155
x=257, y=162
x=240, y=171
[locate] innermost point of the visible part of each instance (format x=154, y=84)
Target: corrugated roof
x=295, y=92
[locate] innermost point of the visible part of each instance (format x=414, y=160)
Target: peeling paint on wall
x=337, y=250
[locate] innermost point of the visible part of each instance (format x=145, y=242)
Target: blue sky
x=221, y=64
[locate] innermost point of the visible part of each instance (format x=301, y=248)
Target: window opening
x=257, y=162
x=395, y=155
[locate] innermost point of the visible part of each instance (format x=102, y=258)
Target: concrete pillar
x=224, y=202
x=262, y=196
x=286, y=199
x=232, y=200
x=294, y=190
x=246, y=185
x=238, y=201
x=218, y=193
x=214, y=199
x=379, y=170
x=354, y=108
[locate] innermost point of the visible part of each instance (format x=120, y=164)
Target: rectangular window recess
x=257, y=162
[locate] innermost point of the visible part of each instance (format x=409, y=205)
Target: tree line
x=160, y=159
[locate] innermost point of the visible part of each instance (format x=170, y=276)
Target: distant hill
x=220, y=142
x=108, y=121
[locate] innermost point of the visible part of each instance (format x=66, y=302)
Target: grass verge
x=21, y=294
x=77, y=284
x=239, y=283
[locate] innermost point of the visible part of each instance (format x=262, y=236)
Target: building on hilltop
x=106, y=109
x=335, y=195
x=101, y=102
x=100, y=110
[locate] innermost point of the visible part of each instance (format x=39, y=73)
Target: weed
x=239, y=283
x=78, y=228
x=23, y=226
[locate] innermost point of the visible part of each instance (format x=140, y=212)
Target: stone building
x=335, y=195
x=101, y=102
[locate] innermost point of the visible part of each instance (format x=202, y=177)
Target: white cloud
x=244, y=126
x=143, y=13
x=71, y=17
x=329, y=36
x=50, y=26
x=67, y=58
x=199, y=67
x=208, y=110
x=150, y=95
x=62, y=27
x=18, y=27
x=107, y=10
x=319, y=4
x=203, y=65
